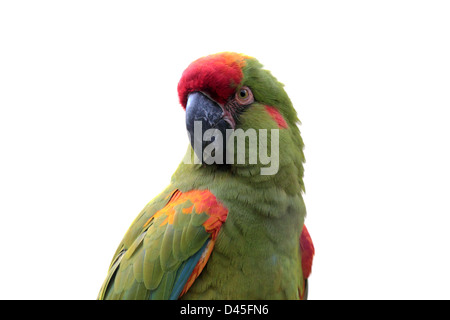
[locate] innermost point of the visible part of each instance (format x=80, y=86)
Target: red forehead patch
x=217, y=75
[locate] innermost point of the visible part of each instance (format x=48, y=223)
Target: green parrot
x=230, y=225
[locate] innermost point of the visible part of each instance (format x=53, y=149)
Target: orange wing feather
x=203, y=201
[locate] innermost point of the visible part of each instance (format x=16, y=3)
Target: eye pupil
x=243, y=93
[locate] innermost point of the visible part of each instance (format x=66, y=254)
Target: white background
x=91, y=130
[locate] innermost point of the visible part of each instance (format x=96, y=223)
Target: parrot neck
x=288, y=176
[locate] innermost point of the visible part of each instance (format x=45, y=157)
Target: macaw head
x=226, y=95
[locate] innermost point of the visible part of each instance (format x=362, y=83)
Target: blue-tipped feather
x=185, y=272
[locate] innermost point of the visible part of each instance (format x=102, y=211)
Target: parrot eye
x=244, y=96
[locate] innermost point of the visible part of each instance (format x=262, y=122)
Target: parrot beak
x=206, y=128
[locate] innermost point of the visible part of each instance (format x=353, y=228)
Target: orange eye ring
x=244, y=96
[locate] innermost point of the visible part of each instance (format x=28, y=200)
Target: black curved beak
x=206, y=128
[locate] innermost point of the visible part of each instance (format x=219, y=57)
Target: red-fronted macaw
x=224, y=228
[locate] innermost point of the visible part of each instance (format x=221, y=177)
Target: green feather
x=256, y=253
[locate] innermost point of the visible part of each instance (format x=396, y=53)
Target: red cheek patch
x=276, y=115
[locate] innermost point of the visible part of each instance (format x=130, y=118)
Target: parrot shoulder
x=307, y=254
x=164, y=251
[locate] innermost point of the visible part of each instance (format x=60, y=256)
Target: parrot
x=222, y=229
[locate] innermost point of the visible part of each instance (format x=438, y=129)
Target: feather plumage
x=224, y=232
